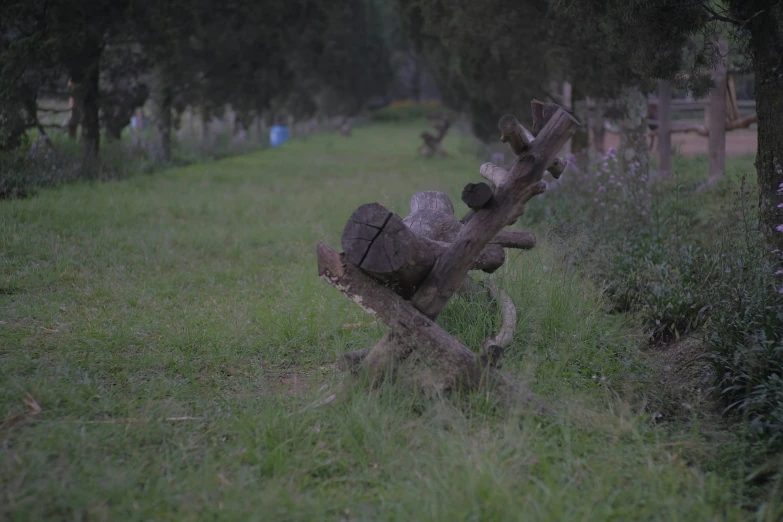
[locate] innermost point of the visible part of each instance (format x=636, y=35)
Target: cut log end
x=491, y=172
x=513, y=133
x=431, y=200
x=477, y=195
x=490, y=259
x=329, y=261
x=557, y=167
x=515, y=239
x=377, y=241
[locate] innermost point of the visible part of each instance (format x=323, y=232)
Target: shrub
x=662, y=284
x=682, y=264
x=744, y=334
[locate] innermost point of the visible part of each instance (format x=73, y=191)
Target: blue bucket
x=278, y=135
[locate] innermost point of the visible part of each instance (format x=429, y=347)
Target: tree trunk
x=717, y=118
x=90, y=103
x=767, y=56
x=664, y=129
x=162, y=98
x=633, y=143
x=580, y=140
x=597, y=127
x=74, y=103
x=415, y=77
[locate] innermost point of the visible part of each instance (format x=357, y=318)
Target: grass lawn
x=166, y=348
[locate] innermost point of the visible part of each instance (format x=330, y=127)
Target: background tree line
x=340, y=56
x=112, y=55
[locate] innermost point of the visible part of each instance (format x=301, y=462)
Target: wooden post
x=717, y=117
x=664, y=129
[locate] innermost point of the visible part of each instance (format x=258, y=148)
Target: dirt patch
x=684, y=379
x=292, y=383
x=738, y=143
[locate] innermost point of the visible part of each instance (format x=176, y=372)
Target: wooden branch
x=523, y=184
x=515, y=239
x=742, y=123
x=489, y=260
x=542, y=113
x=492, y=349
x=491, y=172
x=447, y=363
x=477, y=195
x=513, y=133
x=701, y=130
x=521, y=139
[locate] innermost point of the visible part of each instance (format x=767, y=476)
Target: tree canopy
x=298, y=56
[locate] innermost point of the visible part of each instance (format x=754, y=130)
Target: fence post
x=717, y=116
x=664, y=129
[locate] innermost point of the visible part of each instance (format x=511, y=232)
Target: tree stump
x=404, y=270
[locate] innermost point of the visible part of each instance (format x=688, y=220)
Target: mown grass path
x=164, y=343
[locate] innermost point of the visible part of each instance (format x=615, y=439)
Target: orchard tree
x=492, y=58
x=51, y=42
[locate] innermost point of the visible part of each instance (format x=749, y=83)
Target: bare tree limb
x=443, y=363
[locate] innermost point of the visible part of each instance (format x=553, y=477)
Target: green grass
x=193, y=295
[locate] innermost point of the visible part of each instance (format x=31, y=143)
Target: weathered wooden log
x=441, y=362
x=477, y=195
x=492, y=349
x=376, y=240
x=523, y=184
x=515, y=239
x=494, y=173
x=470, y=213
x=542, y=113
x=521, y=139
x=432, y=216
x=513, y=133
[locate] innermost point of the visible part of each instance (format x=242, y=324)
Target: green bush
x=661, y=283
x=744, y=334
x=694, y=264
